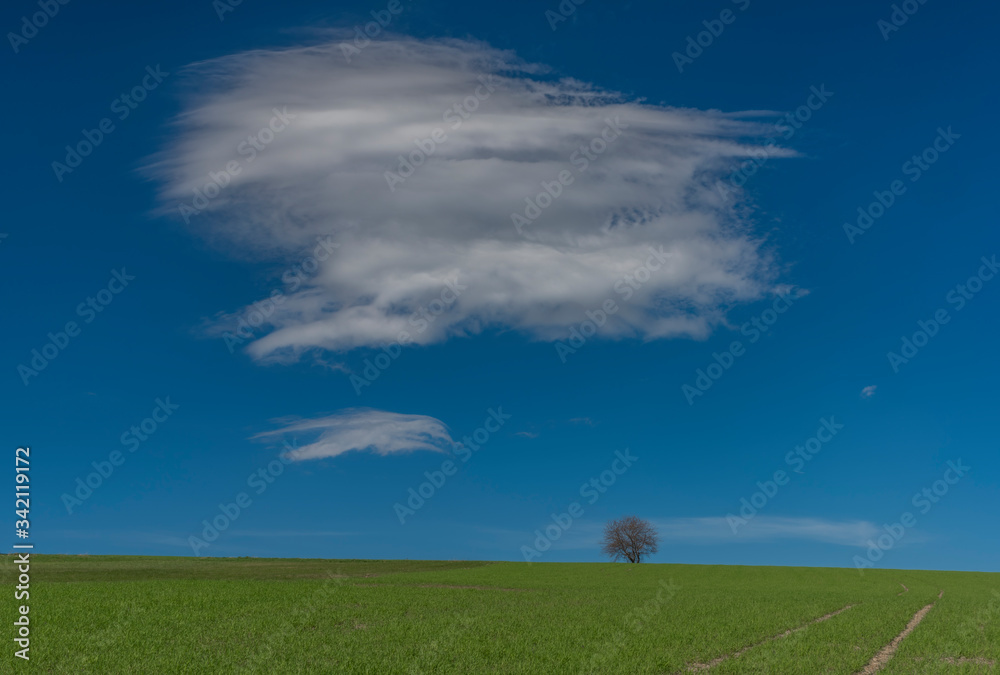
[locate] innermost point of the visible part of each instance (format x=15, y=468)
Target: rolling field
x=111, y=614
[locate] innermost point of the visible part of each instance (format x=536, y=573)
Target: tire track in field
x=695, y=667
x=961, y=660
x=884, y=655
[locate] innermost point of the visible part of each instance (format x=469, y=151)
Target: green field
x=112, y=614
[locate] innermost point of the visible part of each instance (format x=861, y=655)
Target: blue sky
x=236, y=333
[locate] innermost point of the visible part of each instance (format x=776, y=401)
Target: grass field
x=111, y=614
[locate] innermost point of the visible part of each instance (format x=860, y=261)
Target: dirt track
x=879, y=661
x=716, y=661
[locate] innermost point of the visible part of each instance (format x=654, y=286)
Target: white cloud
x=362, y=429
x=325, y=175
x=716, y=530
x=770, y=528
x=286, y=533
x=868, y=391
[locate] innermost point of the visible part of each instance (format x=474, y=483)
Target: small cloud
x=363, y=429
x=526, y=434
x=335, y=366
x=770, y=528
x=287, y=533
x=132, y=537
x=868, y=391
x=716, y=530
x=583, y=420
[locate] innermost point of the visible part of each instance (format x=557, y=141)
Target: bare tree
x=630, y=538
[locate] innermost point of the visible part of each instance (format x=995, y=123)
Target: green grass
x=114, y=614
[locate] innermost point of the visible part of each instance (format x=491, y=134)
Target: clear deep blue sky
x=825, y=357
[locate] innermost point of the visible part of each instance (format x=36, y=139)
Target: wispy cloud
x=868, y=391
x=769, y=528
x=582, y=420
x=362, y=429
x=715, y=530
x=130, y=537
x=325, y=175
x=287, y=533
x=526, y=434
